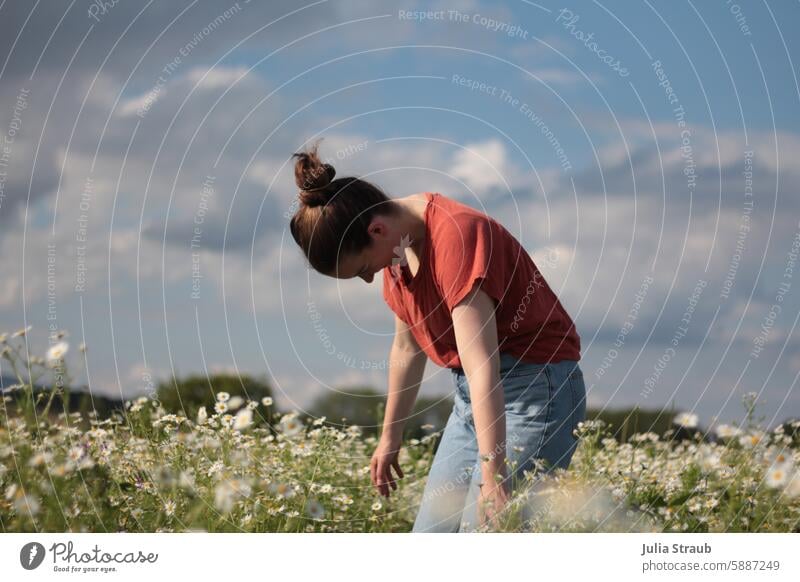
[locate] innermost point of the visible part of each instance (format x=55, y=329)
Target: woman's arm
x=476, y=339
x=406, y=367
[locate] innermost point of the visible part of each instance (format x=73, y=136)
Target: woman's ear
x=377, y=228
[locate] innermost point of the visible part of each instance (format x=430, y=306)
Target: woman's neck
x=412, y=220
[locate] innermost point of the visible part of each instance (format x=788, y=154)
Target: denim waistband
x=507, y=362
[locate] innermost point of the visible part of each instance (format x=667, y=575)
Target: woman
x=466, y=295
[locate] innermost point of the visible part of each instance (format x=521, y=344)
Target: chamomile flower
x=751, y=439
x=56, y=353
x=22, y=332
x=244, y=418
x=223, y=396
x=777, y=476
x=266, y=401
x=75, y=454
x=727, y=431
x=282, y=489
x=290, y=425
x=779, y=456
x=793, y=487
x=315, y=509
x=220, y=407
x=235, y=402
x=685, y=420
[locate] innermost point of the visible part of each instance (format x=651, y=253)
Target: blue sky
x=506, y=107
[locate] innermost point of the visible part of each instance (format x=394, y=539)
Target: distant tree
x=360, y=405
x=624, y=423
x=190, y=393
x=364, y=406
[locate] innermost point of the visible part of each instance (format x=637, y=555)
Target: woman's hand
x=491, y=501
x=383, y=459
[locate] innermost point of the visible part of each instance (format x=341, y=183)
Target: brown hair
x=333, y=216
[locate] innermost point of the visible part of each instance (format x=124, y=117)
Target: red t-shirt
x=463, y=246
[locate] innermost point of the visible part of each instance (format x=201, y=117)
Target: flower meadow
x=241, y=467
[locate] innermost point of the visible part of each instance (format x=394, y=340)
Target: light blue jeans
x=543, y=403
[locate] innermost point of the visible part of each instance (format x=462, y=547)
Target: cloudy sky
x=645, y=155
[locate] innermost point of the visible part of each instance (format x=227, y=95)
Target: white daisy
x=21, y=332
x=686, y=420
x=266, y=401
x=777, y=475
x=778, y=456
x=244, y=418
x=220, y=407
x=283, y=489
x=224, y=497
x=315, y=509
x=751, y=439
x=290, y=425
x=235, y=402
x=56, y=353
x=26, y=504
x=75, y=454
x=793, y=487
x=223, y=396
x=727, y=431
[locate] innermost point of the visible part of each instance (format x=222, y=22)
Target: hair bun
x=313, y=177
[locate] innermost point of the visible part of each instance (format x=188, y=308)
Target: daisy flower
x=75, y=454
x=315, y=509
x=282, y=489
x=21, y=332
x=56, y=353
x=290, y=425
x=244, y=418
x=685, y=420
x=751, y=440
x=223, y=396
x=220, y=407
x=727, y=431
x=235, y=402
x=777, y=476
x=266, y=401
x=793, y=487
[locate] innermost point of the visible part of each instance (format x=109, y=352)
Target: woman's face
x=374, y=258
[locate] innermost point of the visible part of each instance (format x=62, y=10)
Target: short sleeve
x=390, y=296
x=468, y=251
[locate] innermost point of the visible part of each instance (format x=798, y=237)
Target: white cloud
x=482, y=166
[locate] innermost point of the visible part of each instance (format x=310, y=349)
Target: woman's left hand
x=491, y=501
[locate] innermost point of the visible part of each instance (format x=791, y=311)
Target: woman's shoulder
x=457, y=214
